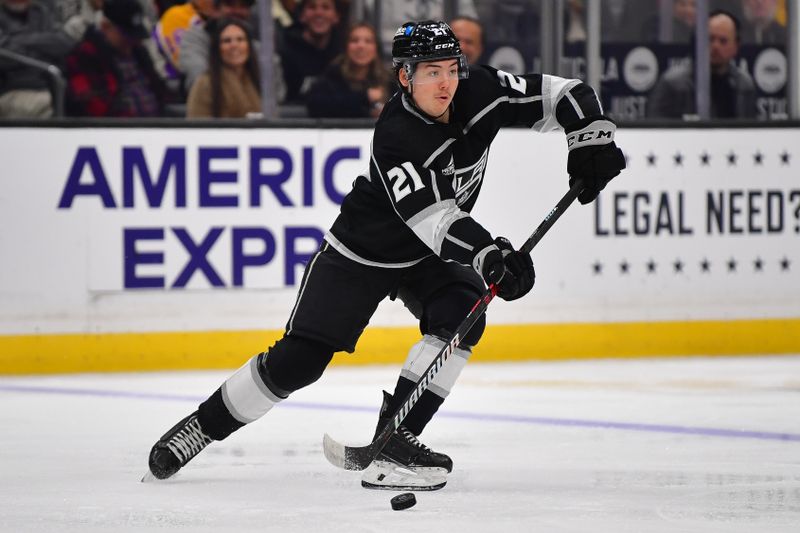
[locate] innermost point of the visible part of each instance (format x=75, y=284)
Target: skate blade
x=404, y=488
x=149, y=477
x=385, y=475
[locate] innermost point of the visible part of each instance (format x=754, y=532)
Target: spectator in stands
x=77, y=16
x=196, y=45
x=732, y=89
x=110, y=73
x=683, y=19
x=469, y=32
x=174, y=23
x=196, y=42
x=760, y=25
x=395, y=12
x=28, y=28
x=62, y=10
x=620, y=20
x=357, y=84
x=282, y=12
x=575, y=22
x=309, y=46
x=162, y=5
x=231, y=87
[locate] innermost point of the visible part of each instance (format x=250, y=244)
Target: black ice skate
x=405, y=463
x=177, y=447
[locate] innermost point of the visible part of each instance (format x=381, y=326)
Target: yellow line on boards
x=115, y=352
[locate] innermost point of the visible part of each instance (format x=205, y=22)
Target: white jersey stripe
x=483, y=112
x=435, y=187
x=302, y=289
x=411, y=110
x=459, y=242
x=432, y=224
x=575, y=105
x=345, y=251
x=553, y=89
x=438, y=151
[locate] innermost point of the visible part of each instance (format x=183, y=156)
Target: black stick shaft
x=359, y=458
x=478, y=310
x=552, y=216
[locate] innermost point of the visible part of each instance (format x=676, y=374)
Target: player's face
x=433, y=86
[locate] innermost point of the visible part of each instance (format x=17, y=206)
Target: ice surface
x=705, y=445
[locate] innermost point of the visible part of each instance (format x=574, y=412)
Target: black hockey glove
x=593, y=155
x=519, y=274
x=509, y=270
x=489, y=264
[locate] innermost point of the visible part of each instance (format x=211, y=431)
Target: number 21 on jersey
x=399, y=177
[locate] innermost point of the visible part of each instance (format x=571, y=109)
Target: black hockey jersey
x=424, y=176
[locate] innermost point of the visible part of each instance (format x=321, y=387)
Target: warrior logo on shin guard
x=427, y=379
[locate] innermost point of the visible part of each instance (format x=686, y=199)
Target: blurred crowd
x=200, y=58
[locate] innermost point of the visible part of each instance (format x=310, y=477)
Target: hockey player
x=405, y=231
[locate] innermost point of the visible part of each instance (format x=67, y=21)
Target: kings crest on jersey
x=424, y=176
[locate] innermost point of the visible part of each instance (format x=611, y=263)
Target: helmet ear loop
x=409, y=69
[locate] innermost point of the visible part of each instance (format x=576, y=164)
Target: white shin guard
x=422, y=354
x=246, y=396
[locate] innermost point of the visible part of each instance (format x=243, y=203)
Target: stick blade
x=334, y=451
x=347, y=457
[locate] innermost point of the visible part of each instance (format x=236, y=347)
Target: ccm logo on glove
x=593, y=156
x=596, y=133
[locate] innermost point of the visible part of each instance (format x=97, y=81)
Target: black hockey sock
x=423, y=410
x=215, y=419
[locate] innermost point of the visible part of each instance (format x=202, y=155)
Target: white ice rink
x=679, y=445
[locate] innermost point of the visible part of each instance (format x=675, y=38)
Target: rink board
x=36, y=354
x=127, y=249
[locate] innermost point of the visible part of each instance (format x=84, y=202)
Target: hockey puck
x=403, y=501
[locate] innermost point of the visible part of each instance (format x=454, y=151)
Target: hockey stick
x=359, y=458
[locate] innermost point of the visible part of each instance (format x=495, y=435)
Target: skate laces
x=188, y=441
x=412, y=439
